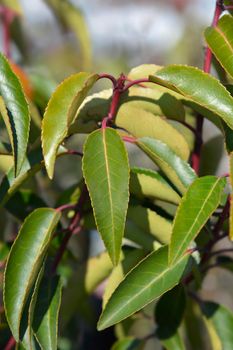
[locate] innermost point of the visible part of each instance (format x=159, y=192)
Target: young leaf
x=45, y=316
x=24, y=262
x=221, y=319
x=150, y=184
x=198, y=87
x=106, y=173
x=147, y=281
x=200, y=201
x=175, y=168
x=220, y=41
x=15, y=112
x=61, y=113
x=143, y=71
x=141, y=123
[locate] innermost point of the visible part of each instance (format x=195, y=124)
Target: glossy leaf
x=15, y=112
x=147, y=281
x=220, y=41
x=150, y=184
x=151, y=222
x=61, y=113
x=106, y=173
x=45, y=320
x=141, y=123
x=24, y=262
x=196, y=207
x=221, y=319
x=198, y=87
x=175, y=168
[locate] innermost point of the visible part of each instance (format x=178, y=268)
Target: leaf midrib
x=158, y=277
x=194, y=222
x=109, y=190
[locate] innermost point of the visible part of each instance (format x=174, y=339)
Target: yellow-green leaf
x=61, y=113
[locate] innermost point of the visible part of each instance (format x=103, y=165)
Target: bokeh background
x=123, y=34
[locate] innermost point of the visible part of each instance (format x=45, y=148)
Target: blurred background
x=113, y=36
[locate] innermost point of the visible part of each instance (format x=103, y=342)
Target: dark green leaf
x=151, y=278
x=196, y=207
x=129, y=343
x=45, y=319
x=24, y=262
x=106, y=173
x=169, y=312
x=15, y=112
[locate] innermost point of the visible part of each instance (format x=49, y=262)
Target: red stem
x=108, y=76
x=228, y=8
x=7, y=17
x=206, y=67
x=137, y=82
x=11, y=343
x=117, y=91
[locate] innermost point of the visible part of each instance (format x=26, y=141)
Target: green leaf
x=220, y=41
x=128, y=343
x=221, y=319
x=143, y=71
x=106, y=173
x=15, y=112
x=196, y=207
x=61, y=113
x=24, y=262
x=147, y=281
x=176, y=169
x=32, y=164
x=175, y=342
x=141, y=123
x=149, y=221
x=169, y=313
x=198, y=87
x=131, y=258
x=45, y=319
x=150, y=184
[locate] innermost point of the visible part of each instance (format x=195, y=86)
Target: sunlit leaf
x=219, y=39
x=61, y=113
x=198, y=87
